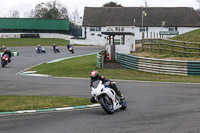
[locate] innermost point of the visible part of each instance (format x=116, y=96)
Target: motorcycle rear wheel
x=106, y=104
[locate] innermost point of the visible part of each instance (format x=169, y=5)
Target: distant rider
x=69, y=46
x=95, y=76
x=39, y=47
x=54, y=47
x=8, y=52
x=2, y=48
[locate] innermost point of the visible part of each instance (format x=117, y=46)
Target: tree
x=13, y=14
x=198, y=2
x=112, y=4
x=52, y=9
x=198, y=10
x=75, y=18
x=146, y=3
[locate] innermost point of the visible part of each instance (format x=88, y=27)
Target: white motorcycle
x=107, y=97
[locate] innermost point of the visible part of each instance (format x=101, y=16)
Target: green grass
x=82, y=66
x=14, y=103
x=75, y=67
x=193, y=36
x=13, y=42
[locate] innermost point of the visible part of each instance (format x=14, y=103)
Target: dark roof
x=124, y=16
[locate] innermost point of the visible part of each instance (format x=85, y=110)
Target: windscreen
x=95, y=83
x=6, y=55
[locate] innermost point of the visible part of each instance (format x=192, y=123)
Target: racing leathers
x=111, y=85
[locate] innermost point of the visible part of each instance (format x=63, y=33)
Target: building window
x=143, y=29
x=95, y=28
x=171, y=29
x=122, y=40
x=119, y=28
x=98, y=28
x=92, y=28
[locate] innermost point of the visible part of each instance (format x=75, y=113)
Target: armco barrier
x=194, y=68
x=100, y=59
x=127, y=61
x=174, y=67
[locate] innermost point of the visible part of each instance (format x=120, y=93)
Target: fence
x=186, y=68
x=146, y=41
x=184, y=47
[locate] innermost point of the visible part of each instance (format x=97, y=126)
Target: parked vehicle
x=107, y=97
x=4, y=60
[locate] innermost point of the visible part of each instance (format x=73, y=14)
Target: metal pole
x=142, y=24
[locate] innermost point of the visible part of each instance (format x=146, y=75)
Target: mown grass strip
x=82, y=67
x=13, y=42
x=40, y=103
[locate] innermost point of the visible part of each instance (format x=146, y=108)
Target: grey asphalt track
x=153, y=107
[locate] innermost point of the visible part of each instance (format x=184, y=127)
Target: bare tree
x=198, y=2
x=146, y=3
x=13, y=14
x=75, y=17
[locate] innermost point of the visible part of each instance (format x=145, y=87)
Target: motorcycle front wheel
x=3, y=63
x=106, y=104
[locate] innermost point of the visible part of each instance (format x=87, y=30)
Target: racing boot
x=121, y=96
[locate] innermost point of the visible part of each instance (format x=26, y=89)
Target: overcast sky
x=26, y=5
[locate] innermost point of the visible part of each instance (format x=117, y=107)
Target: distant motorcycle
x=107, y=97
x=56, y=49
x=40, y=50
x=4, y=60
x=71, y=49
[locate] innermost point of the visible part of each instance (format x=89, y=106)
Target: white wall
x=153, y=32
x=128, y=46
x=42, y=35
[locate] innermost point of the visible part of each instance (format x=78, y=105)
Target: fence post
x=142, y=47
x=160, y=48
x=199, y=48
x=184, y=49
x=102, y=61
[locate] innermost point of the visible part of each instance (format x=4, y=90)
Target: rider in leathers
x=8, y=52
x=95, y=76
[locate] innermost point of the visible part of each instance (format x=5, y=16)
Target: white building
x=145, y=22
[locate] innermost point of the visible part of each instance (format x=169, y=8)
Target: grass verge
x=14, y=103
x=13, y=42
x=82, y=66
